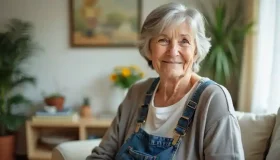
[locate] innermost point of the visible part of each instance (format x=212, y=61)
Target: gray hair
x=174, y=14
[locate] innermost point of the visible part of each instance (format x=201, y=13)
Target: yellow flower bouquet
x=125, y=76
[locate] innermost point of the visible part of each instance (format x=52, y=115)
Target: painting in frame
x=104, y=23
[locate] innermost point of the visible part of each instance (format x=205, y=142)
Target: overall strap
x=145, y=107
x=188, y=113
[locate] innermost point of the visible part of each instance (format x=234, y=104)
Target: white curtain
x=274, y=96
x=266, y=70
x=250, y=52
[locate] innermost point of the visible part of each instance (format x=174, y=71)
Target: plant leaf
x=12, y=122
x=22, y=80
x=227, y=31
x=16, y=46
x=232, y=52
x=17, y=99
x=226, y=69
x=218, y=69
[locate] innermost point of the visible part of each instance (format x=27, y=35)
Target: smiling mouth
x=169, y=62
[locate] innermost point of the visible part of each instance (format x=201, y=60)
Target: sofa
x=260, y=138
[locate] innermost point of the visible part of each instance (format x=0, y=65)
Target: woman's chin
x=171, y=74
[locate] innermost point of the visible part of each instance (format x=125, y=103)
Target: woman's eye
x=163, y=40
x=184, y=41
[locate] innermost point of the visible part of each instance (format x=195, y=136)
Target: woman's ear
x=149, y=54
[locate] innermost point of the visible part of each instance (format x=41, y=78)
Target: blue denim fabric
x=143, y=146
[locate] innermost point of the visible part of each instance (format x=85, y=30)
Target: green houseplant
x=16, y=46
x=226, y=27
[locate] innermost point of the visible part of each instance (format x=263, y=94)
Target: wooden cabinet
x=81, y=130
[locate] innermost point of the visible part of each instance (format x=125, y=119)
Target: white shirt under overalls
x=161, y=121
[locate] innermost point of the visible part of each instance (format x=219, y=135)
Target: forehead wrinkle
x=177, y=31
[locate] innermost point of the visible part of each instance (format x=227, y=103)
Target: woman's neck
x=171, y=90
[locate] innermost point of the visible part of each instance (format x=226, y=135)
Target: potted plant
x=16, y=46
x=226, y=27
x=122, y=77
x=85, y=110
x=55, y=99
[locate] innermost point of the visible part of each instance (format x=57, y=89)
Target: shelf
x=81, y=129
x=96, y=123
x=85, y=122
x=54, y=124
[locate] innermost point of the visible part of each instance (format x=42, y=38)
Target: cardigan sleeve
x=222, y=137
x=223, y=140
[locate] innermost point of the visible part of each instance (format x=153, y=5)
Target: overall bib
x=143, y=146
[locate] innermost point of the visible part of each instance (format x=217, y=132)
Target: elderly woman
x=179, y=115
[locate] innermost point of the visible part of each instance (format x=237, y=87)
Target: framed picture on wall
x=104, y=23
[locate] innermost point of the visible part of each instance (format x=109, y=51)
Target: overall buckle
x=176, y=137
x=138, y=126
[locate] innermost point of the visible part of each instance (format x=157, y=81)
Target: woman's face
x=173, y=51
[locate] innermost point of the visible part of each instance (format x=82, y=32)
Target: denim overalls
x=143, y=146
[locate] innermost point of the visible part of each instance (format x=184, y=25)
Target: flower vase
x=117, y=95
x=125, y=92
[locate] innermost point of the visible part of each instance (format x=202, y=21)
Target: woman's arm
x=222, y=140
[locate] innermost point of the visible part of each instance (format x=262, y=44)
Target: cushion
x=74, y=150
x=256, y=131
x=274, y=151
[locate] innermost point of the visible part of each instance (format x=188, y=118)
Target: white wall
x=75, y=72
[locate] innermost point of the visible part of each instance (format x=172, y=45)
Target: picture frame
x=104, y=23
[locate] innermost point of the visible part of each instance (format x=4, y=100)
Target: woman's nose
x=174, y=49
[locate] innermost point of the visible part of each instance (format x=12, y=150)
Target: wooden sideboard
x=80, y=129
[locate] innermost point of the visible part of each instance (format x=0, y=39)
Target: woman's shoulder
x=137, y=91
x=142, y=85
x=215, y=103
x=135, y=97
x=217, y=98
x=216, y=88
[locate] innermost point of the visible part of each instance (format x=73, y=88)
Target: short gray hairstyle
x=174, y=14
